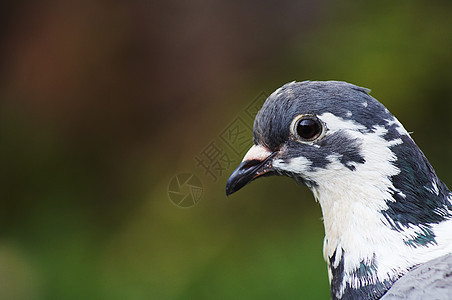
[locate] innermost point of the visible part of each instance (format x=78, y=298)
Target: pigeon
x=387, y=215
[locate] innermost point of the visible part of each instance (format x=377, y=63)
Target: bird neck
x=377, y=227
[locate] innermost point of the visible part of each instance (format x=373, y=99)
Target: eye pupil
x=309, y=128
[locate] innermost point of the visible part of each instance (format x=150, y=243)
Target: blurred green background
x=104, y=102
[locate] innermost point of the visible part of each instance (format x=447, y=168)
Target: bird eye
x=308, y=128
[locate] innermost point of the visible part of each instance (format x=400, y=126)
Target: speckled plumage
x=385, y=210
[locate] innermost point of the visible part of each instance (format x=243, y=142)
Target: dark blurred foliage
x=103, y=102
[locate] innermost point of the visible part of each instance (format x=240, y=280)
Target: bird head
x=317, y=131
x=381, y=201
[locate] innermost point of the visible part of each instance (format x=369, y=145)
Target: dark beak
x=257, y=163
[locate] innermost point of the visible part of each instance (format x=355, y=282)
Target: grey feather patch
x=432, y=280
x=271, y=126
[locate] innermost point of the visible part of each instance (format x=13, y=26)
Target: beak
x=256, y=163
